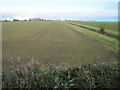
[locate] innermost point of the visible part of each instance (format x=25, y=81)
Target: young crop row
x=86, y=76
x=108, y=33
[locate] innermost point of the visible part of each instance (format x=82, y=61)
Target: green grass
x=51, y=42
x=112, y=26
x=112, y=43
x=110, y=33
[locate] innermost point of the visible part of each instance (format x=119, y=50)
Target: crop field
x=112, y=26
x=51, y=42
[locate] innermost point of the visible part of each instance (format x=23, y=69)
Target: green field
x=112, y=26
x=51, y=42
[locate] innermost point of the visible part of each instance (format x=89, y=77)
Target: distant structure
x=51, y=18
x=36, y=19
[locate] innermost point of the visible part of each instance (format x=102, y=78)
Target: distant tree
x=25, y=20
x=102, y=29
x=15, y=20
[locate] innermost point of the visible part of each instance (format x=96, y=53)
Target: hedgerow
x=85, y=76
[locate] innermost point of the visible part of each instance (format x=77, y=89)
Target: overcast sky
x=102, y=10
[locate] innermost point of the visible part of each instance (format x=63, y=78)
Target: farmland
x=51, y=42
x=112, y=26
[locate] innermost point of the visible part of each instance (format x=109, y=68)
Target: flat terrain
x=112, y=26
x=51, y=42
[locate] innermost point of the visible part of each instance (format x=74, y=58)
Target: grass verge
x=112, y=43
x=108, y=32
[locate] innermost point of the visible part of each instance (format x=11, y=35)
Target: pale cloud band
x=62, y=8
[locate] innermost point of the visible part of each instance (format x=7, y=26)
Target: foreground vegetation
x=87, y=76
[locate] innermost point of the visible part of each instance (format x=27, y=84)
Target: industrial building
x=36, y=19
